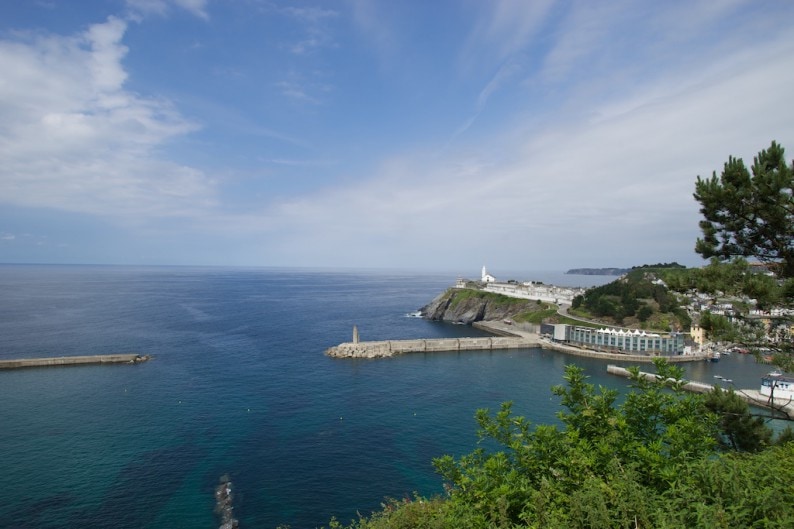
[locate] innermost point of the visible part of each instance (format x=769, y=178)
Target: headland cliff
x=466, y=306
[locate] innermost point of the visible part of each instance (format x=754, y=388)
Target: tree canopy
x=750, y=215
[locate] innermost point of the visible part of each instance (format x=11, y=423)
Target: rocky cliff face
x=470, y=308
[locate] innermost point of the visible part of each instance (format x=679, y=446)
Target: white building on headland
x=532, y=290
x=526, y=290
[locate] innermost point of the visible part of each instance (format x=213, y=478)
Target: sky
x=433, y=135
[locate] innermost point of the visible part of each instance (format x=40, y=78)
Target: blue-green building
x=629, y=341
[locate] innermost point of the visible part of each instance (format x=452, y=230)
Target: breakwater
x=20, y=363
x=388, y=348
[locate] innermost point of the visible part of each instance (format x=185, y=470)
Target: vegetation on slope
x=461, y=295
x=637, y=299
x=662, y=458
x=467, y=305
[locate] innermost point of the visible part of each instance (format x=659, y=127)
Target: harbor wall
x=394, y=347
x=131, y=358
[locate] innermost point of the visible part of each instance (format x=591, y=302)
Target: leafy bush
x=652, y=461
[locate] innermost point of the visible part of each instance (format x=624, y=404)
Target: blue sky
x=525, y=135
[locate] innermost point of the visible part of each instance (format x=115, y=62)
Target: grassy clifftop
x=464, y=305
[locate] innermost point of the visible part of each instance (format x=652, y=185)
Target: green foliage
x=660, y=265
x=652, y=461
x=717, y=327
x=739, y=429
x=644, y=313
x=408, y=513
x=624, y=298
x=750, y=215
x=599, y=469
x=537, y=317
x=577, y=301
x=461, y=294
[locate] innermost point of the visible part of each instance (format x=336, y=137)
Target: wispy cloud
x=141, y=8
x=505, y=72
x=300, y=163
x=297, y=91
x=504, y=27
x=314, y=21
x=611, y=184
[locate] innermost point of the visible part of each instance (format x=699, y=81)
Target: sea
x=238, y=386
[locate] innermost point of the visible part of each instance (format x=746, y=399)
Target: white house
x=777, y=385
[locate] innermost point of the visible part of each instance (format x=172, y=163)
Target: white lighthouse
x=486, y=277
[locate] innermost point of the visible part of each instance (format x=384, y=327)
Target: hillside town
x=777, y=321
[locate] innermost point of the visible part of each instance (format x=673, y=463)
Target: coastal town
x=583, y=338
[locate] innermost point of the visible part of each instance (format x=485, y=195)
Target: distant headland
x=618, y=271
x=598, y=271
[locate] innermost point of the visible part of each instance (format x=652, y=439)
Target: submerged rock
x=223, y=503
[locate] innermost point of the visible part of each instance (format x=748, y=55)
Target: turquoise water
x=239, y=385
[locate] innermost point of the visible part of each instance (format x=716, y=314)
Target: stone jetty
x=19, y=363
x=388, y=348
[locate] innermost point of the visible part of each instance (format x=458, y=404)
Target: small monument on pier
x=355, y=334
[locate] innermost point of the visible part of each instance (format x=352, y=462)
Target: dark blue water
x=239, y=385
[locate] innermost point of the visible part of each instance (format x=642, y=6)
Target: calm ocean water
x=239, y=385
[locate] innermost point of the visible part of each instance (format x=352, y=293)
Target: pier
x=752, y=397
x=388, y=348
x=131, y=358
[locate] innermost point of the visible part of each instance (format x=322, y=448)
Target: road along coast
x=131, y=358
x=507, y=337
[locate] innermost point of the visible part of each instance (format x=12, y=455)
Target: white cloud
x=72, y=138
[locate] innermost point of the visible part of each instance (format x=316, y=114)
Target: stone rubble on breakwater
x=223, y=504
